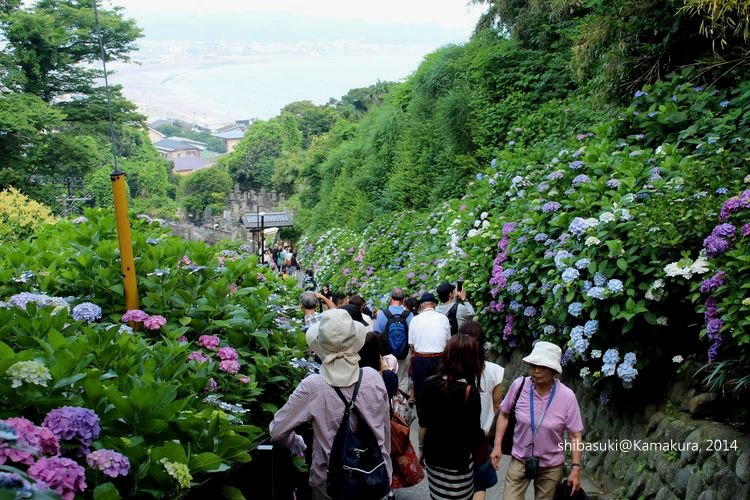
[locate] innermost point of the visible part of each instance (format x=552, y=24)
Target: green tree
x=52, y=41
x=204, y=188
x=252, y=162
x=311, y=120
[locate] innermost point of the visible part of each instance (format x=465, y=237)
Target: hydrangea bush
x=598, y=242
x=146, y=387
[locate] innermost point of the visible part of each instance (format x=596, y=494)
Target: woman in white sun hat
x=544, y=409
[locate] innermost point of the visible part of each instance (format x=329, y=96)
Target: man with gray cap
x=336, y=339
x=428, y=333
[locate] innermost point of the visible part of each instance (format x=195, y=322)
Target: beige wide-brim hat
x=545, y=354
x=337, y=339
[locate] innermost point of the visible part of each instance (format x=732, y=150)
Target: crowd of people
x=427, y=353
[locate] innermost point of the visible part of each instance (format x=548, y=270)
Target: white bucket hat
x=337, y=339
x=545, y=354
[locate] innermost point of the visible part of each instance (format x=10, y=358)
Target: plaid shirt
x=311, y=319
x=315, y=401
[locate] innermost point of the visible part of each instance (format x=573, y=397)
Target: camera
x=531, y=467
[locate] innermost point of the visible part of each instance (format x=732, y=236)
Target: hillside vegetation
x=582, y=164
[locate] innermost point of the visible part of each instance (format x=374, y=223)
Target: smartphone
x=459, y=285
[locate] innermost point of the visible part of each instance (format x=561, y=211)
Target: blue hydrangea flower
x=596, y=354
x=627, y=373
x=575, y=309
x=639, y=93
x=580, y=344
x=615, y=286
x=509, y=272
x=493, y=163
x=591, y=327
x=87, y=311
x=570, y=275
x=515, y=306
x=575, y=165
x=586, y=285
x=724, y=104
x=557, y=174
x=629, y=358
x=515, y=287
x=549, y=329
x=613, y=183
x=722, y=190
x=611, y=356
x=596, y=292
x=529, y=312
x=600, y=279
x=561, y=257
x=540, y=237
x=480, y=177
x=583, y=263
x=551, y=206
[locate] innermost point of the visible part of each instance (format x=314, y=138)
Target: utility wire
x=106, y=84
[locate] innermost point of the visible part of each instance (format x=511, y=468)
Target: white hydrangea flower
x=485, y=224
x=607, y=217
x=678, y=359
x=483, y=215
x=592, y=241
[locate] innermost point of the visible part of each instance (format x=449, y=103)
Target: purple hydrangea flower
x=613, y=183
x=713, y=282
x=109, y=462
x=551, y=206
x=227, y=353
x=746, y=230
x=580, y=179
x=735, y=204
x=73, y=423
x=575, y=165
x=557, y=174
x=724, y=231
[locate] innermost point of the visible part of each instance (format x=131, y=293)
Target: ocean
x=214, y=84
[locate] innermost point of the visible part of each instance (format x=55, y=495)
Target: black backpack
x=453, y=318
x=396, y=333
x=356, y=467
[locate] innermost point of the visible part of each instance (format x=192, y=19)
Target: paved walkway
x=422, y=492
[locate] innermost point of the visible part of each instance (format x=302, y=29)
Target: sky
x=448, y=13
x=300, y=50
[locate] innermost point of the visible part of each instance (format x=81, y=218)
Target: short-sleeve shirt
x=429, y=332
x=492, y=375
x=563, y=415
x=381, y=320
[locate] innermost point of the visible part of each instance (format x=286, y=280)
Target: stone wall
x=673, y=468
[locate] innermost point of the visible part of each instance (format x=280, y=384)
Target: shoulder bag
x=507, y=443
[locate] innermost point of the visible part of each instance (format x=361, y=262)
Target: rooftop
x=269, y=219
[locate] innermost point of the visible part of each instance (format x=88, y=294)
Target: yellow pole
x=126, y=245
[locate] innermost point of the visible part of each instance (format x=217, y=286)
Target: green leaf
x=106, y=491
x=232, y=493
x=185, y=320
x=205, y=462
x=622, y=264
x=64, y=382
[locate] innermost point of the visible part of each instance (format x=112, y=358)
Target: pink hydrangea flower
x=135, y=315
x=227, y=354
x=154, y=322
x=212, y=385
x=110, y=462
x=209, y=341
x=245, y=380
x=229, y=366
x=31, y=440
x=61, y=475
x=233, y=289
x=198, y=356
x=182, y=339
x=260, y=277
x=184, y=261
